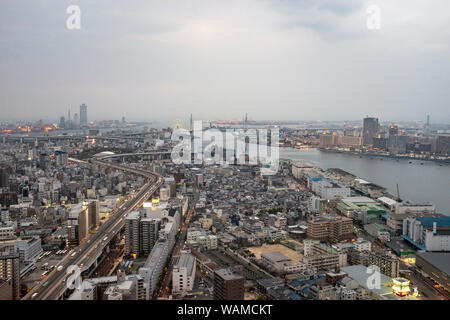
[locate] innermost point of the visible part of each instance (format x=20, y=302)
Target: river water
x=429, y=182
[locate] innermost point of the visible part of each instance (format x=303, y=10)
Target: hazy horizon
x=185, y=121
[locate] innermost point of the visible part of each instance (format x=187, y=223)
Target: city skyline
x=426, y=119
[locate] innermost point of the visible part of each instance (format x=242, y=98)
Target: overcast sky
x=275, y=59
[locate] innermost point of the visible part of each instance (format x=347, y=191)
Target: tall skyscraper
x=132, y=223
x=76, y=121
x=83, y=115
x=93, y=213
x=371, y=128
x=69, y=124
x=62, y=122
x=77, y=225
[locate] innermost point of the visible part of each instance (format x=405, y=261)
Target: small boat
x=410, y=162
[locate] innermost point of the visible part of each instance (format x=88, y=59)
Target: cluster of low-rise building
x=302, y=233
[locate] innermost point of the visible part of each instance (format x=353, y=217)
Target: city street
x=163, y=292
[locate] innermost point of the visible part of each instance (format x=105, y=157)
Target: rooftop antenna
x=191, y=128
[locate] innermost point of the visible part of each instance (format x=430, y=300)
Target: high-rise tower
x=83, y=115
x=69, y=124
x=371, y=128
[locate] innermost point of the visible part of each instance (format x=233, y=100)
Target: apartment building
x=183, y=275
x=10, y=271
x=149, y=229
x=330, y=228
x=321, y=256
x=362, y=245
x=153, y=266
x=132, y=231
x=388, y=265
x=228, y=286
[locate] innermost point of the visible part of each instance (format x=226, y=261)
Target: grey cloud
x=307, y=59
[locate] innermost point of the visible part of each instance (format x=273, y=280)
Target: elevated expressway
x=88, y=253
x=23, y=138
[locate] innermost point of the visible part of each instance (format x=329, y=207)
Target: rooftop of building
x=387, y=201
x=358, y=200
x=361, y=275
x=155, y=254
x=440, y=221
x=133, y=215
x=270, y=282
x=227, y=274
x=275, y=256
x=328, y=217
x=187, y=261
x=284, y=293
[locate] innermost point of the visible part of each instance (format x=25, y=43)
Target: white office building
x=184, y=273
x=29, y=250
x=330, y=190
